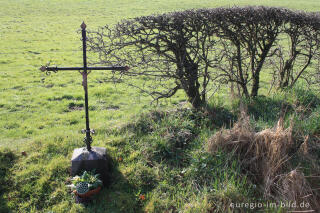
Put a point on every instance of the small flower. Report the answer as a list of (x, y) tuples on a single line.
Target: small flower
[(142, 197), (72, 186), (76, 178), (120, 159)]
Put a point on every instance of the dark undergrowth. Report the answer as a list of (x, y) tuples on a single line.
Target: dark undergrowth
[(7, 160)]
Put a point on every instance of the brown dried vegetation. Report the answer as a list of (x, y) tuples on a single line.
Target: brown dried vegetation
[(265, 157)]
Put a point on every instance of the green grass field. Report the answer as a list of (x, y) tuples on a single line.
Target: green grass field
[(36, 32), (43, 115)]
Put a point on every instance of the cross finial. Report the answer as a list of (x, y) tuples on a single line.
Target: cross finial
[(83, 25), (43, 68)]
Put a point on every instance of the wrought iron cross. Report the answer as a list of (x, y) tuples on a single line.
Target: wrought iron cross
[(85, 70)]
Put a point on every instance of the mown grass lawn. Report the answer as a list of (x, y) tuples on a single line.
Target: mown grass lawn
[(43, 114)]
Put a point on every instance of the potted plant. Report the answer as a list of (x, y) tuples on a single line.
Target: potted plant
[(86, 185)]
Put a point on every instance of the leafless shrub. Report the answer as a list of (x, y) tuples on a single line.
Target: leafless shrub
[(295, 53), (246, 36), (197, 50), (172, 50)]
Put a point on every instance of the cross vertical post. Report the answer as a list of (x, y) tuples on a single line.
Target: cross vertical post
[(88, 138)]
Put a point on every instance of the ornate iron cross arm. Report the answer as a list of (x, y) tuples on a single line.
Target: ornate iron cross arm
[(56, 69), (85, 70)]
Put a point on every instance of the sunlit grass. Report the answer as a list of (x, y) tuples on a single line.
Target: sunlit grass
[(43, 115)]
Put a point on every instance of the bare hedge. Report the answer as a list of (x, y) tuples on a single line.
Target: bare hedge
[(198, 50)]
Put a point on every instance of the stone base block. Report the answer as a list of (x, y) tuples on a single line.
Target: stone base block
[(95, 159)]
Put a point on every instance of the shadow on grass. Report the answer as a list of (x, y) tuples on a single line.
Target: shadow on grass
[(263, 109), (119, 196), (304, 97), (220, 117), (266, 109), (167, 136), (7, 159), (269, 109)]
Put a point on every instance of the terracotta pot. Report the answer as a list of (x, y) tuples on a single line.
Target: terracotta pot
[(89, 193)]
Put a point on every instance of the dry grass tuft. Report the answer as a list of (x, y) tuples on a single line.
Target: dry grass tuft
[(265, 158), (295, 188)]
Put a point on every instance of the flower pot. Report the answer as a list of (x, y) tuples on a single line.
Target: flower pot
[(89, 193)]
